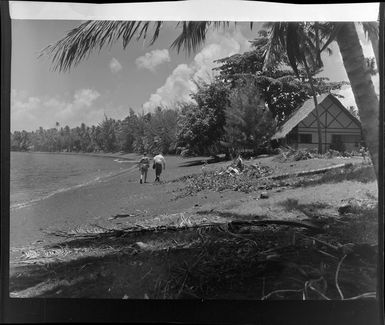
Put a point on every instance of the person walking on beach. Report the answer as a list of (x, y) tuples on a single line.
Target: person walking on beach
[(144, 164), (159, 164)]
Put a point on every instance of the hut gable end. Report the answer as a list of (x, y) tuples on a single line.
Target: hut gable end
[(332, 115)]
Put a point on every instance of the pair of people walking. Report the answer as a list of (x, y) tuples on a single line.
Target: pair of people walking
[(144, 164)]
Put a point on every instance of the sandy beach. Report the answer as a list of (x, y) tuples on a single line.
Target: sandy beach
[(122, 239), (96, 203), (123, 195)]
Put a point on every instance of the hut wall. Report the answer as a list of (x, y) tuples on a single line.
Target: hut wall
[(334, 122)]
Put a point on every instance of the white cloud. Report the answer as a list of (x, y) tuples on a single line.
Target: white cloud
[(179, 85), (115, 65), (31, 112), (152, 59)]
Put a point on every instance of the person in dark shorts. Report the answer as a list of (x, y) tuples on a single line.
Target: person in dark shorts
[(144, 164), (159, 165)]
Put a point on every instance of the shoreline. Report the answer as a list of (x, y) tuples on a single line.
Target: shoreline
[(91, 154), (98, 201), (59, 191)]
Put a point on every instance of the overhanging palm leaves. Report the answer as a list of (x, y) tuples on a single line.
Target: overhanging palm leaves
[(80, 42), (194, 34)]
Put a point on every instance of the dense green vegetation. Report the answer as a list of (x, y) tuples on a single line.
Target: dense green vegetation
[(136, 133)]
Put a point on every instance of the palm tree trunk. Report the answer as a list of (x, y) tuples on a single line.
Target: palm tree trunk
[(362, 86), (374, 41), (371, 28), (309, 76)]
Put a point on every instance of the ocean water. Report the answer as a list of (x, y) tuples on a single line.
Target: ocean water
[(37, 176)]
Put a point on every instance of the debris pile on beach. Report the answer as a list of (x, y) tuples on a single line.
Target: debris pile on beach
[(296, 155), (243, 179), (290, 155), (255, 176)]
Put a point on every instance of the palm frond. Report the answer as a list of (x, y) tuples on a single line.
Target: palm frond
[(293, 51), (276, 43), (194, 33), (192, 36), (143, 31), (158, 26), (81, 41), (332, 36), (223, 24)]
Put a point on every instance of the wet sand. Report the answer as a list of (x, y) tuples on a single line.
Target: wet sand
[(96, 203)]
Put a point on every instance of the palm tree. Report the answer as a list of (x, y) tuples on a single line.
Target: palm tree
[(362, 86), (301, 43), (81, 41)]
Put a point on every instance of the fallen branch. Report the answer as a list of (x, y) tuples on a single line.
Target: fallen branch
[(320, 241), (280, 291), (240, 236), (336, 277), (364, 295), (294, 223), (108, 232), (318, 292), (121, 216), (309, 172), (327, 254)]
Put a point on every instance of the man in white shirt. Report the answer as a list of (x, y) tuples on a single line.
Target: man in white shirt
[(159, 163)]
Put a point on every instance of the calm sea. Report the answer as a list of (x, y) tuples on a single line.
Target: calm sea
[(36, 176)]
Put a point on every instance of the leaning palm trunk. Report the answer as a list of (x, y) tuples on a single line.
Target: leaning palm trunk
[(362, 86)]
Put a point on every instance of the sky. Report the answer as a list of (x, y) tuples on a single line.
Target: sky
[(112, 81)]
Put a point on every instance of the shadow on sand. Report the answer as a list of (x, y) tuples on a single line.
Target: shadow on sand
[(212, 262), (202, 161)]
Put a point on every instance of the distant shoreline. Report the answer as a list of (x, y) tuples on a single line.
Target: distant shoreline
[(127, 156)]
